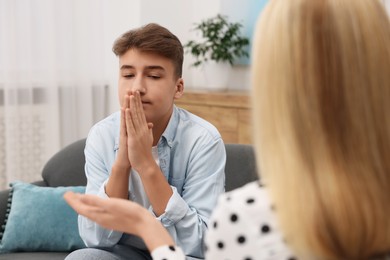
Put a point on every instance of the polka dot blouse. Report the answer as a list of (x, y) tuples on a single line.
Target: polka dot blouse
[(168, 253), (242, 227)]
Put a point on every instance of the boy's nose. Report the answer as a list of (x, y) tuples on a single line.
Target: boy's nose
[(138, 86)]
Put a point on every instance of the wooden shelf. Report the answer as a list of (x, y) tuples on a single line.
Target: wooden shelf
[(229, 111)]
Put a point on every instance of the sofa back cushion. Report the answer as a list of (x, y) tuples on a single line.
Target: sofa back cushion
[(240, 165), (66, 167)]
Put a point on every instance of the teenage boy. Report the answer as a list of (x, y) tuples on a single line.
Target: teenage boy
[(152, 152)]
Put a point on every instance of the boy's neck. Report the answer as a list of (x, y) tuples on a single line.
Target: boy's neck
[(158, 130), (156, 136), (160, 126)]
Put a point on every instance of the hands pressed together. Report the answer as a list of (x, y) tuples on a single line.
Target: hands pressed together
[(136, 137), (117, 212), (135, 151)]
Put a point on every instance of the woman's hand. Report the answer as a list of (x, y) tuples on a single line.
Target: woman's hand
[(121, 215)]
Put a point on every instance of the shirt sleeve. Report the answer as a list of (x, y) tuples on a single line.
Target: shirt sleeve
[(168, 253), (187, 214), (97, 174)]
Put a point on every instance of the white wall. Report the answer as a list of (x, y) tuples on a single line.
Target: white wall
[(119, 16), (176, 15)]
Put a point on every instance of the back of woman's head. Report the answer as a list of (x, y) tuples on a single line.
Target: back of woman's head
[(321, 85)]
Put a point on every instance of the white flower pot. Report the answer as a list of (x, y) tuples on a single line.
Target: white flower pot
[(212, 76)]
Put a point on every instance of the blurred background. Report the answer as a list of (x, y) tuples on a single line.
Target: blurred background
[(58, 75)]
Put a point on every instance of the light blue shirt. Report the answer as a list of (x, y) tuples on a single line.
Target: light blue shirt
[(192, 157)]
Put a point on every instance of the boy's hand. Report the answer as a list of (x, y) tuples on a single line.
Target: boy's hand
[(139, 134), (118, 183), (122, 160)]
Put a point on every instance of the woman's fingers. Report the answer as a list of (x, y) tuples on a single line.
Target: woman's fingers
[(85, 204)]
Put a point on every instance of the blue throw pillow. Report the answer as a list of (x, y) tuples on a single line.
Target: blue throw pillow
[(39, 219)]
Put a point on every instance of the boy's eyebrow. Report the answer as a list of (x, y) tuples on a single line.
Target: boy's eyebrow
[(154, 67), (151, 67), (123, 67)]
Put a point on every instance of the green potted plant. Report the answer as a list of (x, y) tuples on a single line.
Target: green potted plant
[(221, 41), (219, 45)]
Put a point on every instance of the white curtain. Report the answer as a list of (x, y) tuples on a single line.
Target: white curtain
[(52, 85)]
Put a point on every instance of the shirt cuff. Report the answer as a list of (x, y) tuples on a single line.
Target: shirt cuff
[(168, 252), (102, 191), (176, 209)]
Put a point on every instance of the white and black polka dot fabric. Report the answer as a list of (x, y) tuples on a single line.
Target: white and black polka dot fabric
[(244, 227), (168, 253)]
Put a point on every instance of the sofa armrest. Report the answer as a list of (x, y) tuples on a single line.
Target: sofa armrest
[(4, 194)]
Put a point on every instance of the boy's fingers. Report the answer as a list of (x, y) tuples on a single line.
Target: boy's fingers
[(140, 109), (129, 123), (126, 101), (137, 110), (126, 105), (123, 123), (134, 111)]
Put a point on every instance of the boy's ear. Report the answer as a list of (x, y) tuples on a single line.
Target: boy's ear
[(179, 88)]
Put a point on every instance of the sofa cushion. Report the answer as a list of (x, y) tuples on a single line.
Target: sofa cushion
[(240, 166), (66, 167), (34, 256), (39, 219)]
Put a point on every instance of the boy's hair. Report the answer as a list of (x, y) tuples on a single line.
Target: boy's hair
[(155, 39)]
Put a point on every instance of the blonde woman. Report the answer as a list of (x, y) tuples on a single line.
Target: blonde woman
[(321, 89)]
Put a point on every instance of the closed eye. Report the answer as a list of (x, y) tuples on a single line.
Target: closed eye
[(128, 76), (154, 76)]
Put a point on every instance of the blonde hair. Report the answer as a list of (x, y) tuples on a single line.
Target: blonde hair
[(321, 86)]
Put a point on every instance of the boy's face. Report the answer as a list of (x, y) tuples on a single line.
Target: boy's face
[(154, 77)]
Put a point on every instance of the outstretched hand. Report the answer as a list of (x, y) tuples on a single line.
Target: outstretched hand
[(117, 214), (120, 215)]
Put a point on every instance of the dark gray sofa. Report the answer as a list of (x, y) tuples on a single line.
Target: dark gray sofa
[(66, 168)]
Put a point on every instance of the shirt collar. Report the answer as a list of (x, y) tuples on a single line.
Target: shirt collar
[(170, 131)]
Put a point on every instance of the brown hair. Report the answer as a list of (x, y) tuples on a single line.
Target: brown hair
[(321, 86), (155, 39)]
